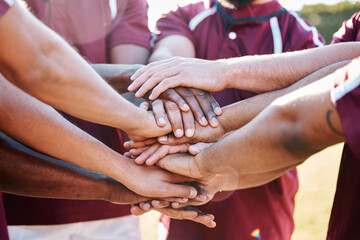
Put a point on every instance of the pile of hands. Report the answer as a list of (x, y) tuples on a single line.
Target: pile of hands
[(190, 118)]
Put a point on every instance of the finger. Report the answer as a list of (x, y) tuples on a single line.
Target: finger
[(136, 210), (148, 69), (159, 113), (173, 96), (170, 82), (138, 151), (203, 99), (145, 206), (215, 105), (190, 98), (148, 152), (133, 144), (190, 214), (172, 140), (143, 74), (177, 190), (158, 77), (198, 147), (189, 123), (145, 105), (156, 204), (179, 200), (174, 116), (165, 150)]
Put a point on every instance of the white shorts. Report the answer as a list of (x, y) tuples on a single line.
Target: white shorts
[(122, 228)]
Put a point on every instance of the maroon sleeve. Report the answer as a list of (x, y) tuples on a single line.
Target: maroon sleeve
[(4, 6), (349, 31), (177, 22), (346, 95), (132, 26), (300, 33)]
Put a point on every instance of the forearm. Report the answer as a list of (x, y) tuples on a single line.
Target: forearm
[(42, 64), (28, 173), (42, 128), (282, 135), (229, 182), (270, 72), (238, 114), (117, 75)]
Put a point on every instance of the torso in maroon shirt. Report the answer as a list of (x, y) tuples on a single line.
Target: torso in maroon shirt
[(92, 27), (344, 220), (269, 207)]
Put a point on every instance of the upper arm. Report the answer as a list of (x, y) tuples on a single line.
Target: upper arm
[(171, 46), (129, 54), (308, 118)]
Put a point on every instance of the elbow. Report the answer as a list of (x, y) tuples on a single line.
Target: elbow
[(292, 133)]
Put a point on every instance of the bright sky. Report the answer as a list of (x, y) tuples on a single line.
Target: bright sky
[(159, 6)]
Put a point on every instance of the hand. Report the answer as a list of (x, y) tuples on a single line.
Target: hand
[(203, 106), (188, 213), (177, 71), (154, 182), (147, 127), (183, 164), (151, 154), (202, 134)]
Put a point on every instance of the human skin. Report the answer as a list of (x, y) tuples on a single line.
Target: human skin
[(234, 117), (29, 173), (253, 73), (282, 135), (22, 117), (43, 65)]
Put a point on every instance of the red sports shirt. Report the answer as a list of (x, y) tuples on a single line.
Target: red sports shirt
[(223, 33)]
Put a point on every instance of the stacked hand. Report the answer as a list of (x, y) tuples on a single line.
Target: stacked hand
[(192, 116)]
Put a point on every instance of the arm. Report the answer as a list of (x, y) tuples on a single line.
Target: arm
[(253, 73), (42, 64), (239, 114), (40, 127), (28, 173), (286, 133), (283, 135)]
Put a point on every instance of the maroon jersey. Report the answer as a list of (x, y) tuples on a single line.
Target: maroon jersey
[(218, 33), (4, 6), (92, 27), (344, 221), (349, 31)]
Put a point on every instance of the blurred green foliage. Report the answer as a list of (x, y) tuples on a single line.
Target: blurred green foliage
[(329, 18)]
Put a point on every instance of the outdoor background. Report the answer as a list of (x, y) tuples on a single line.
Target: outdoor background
[(317, 176)]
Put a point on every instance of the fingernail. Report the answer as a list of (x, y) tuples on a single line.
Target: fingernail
[(184, 200), (214, 121), (186, 107), (147, 206), (137, 94), (162, 121), (195, 149), (218, 111), (193, 193), (175, 205), (189, 132), (130, 87), (203, 120), (179, 133), (151, 97), (163, 138), (156, 202)]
